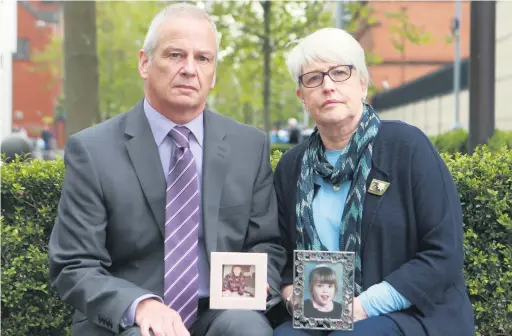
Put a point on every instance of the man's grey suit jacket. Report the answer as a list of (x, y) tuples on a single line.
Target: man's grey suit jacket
[(106, 248)]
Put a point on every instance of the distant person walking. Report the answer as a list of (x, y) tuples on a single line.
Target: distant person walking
[(294, 131), (46, 135)]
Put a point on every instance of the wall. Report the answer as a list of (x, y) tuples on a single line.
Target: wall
[(433, 17), (7, 47), (33, 97), (435, 114)]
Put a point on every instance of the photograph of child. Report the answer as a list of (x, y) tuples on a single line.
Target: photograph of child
[(323, 289), (238, 281)]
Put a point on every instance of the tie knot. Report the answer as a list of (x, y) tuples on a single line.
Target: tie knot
[(180, 136)]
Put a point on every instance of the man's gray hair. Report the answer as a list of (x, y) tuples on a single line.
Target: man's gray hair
[(331, 45), (182, 9)]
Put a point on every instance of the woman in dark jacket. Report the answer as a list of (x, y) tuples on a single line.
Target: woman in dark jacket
[(377, 188)]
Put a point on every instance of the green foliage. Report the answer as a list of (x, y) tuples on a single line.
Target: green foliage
[(499, 140), (456, 141), (275, 157), (484, 181), (282, 147), (49, 60), (403, 30), (30, 194), (31, 190), (240, 74), (120, 38)]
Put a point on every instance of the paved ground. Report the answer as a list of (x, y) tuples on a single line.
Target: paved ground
[(48, 155)]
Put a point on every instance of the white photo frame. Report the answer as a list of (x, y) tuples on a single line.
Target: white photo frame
[(227, 288)]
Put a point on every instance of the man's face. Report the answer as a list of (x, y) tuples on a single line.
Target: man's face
[(182, 70)]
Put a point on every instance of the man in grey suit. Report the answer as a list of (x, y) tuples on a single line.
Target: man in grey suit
[(150, 193)]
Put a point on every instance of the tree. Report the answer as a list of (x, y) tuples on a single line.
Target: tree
[(80, 65), (253, 83), (255, 37), (119, 39)]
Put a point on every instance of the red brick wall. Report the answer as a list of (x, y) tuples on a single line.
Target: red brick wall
[(435, 17), (32, 95)]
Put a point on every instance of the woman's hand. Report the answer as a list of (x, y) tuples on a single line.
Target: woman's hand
[(285, 294), (286, 291), (359, 312)]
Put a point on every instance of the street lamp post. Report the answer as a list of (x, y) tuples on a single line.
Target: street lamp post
[(482, 72), (456, 65), (340, 14)]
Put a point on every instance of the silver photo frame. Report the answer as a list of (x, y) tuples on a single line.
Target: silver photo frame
[(323, 268)]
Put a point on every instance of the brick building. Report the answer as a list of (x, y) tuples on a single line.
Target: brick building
[(399, 67), (34, 100), (429, 102), (435, 17)]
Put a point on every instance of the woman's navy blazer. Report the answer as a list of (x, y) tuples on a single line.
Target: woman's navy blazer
[(411, 236)]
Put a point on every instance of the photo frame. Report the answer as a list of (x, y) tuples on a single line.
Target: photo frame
[(238, 281), (323, 294)]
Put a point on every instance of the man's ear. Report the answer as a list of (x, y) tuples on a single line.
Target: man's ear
[(299, 93), (144, 64), (214, 79)]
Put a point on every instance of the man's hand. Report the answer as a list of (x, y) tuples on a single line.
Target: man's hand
[(359, 313), (157, 317)]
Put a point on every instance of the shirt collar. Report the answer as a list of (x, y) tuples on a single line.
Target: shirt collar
[(161, 126)]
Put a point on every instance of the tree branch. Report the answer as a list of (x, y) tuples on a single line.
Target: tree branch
[(361, 32), (246, 30)]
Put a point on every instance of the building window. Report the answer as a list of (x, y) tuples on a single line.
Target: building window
[(23, 51)]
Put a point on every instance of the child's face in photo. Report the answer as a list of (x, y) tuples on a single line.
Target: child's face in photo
[(237, 270), (323, 293)]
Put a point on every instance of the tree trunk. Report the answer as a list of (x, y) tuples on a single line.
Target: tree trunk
[(81, 80), (267, 51), (248, 118)]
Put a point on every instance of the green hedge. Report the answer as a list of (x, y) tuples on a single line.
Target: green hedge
[(30, 192), (484, 182), (282, 147), (456, 141)]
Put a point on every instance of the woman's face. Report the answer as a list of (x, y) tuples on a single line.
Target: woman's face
[(332, 102), (323, 293)]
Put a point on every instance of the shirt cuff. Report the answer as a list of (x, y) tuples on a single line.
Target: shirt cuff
[(128, 318), (381, 299)]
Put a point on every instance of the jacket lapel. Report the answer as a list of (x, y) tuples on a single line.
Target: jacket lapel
[(373, 202), (145, 159), (215, 165)]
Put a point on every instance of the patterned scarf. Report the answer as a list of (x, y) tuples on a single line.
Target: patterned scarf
[(353, 165)]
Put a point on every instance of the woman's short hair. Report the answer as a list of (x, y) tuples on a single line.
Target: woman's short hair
[(324, 275), (331, 45)]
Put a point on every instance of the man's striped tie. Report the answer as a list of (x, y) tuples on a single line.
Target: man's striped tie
[(181, 230)]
